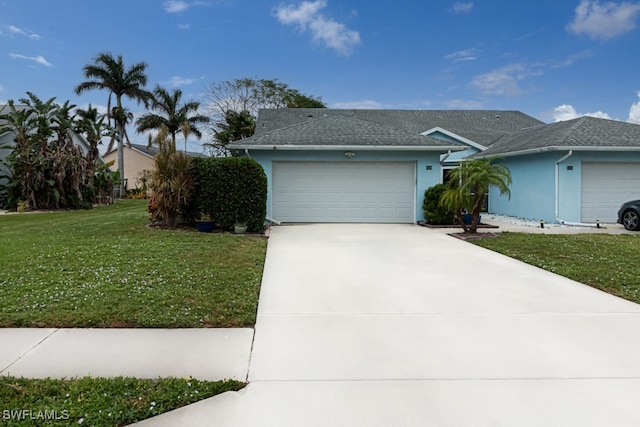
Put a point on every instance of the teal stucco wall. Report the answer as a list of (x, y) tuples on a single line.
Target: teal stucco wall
[(533, 191)]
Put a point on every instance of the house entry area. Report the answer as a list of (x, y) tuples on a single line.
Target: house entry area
[(372, 192)]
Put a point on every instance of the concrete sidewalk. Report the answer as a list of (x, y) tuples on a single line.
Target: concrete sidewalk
[(206, 354), (379, 325)]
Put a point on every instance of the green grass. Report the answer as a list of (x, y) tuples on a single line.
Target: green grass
[(606, 262), (99, 401), (105, 268)]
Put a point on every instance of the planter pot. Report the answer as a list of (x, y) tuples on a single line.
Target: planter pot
[(467, 218), (240, 229), (204, 226)]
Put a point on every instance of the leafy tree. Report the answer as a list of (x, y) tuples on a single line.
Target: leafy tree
[(231, 103), (236, 126), (470, 184), (172, 115), (109, 73)]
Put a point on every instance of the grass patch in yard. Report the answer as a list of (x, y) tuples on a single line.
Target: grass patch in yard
[(606, 262), (99, 401), (105, 268)]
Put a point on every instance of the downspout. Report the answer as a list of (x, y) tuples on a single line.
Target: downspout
[(246, 151), (558, 219), (446, 156)]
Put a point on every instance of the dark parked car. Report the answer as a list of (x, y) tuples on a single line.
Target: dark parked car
[(629, 215)]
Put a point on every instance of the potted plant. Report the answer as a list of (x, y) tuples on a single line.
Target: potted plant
[(240, 227), (205, 223)]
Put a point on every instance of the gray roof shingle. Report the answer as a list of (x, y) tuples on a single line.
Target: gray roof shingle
[(341, 130), (481, 126), (582, 133)]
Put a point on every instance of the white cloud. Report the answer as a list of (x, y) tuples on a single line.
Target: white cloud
[(184, 26), (573, 58), (503, 81), (460, 7), (13, 31), (38, 59), (175, 6), (307, 16), (366, 104), (568, 112), (604, 20), (634, 112), (177, 81), (463, 55)]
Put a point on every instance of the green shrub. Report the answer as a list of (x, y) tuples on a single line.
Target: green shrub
[(231, 190), (433, 212)]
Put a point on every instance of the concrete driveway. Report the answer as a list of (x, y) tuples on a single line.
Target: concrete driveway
[(399, 325)]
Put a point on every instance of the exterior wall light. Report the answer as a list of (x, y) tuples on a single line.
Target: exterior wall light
[(349, 154)]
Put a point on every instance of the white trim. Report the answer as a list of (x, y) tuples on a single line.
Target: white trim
[(272, 147), (454, 136), (558, 148)]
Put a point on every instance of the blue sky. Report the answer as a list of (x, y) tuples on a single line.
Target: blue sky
[(551, 59)]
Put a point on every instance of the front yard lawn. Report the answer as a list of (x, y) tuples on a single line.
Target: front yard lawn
[(99, 401), (105, 268), (607, 262)]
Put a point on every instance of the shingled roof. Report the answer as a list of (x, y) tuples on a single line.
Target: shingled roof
[(480, 126), (584, 133), (151, 151), (327, 131)]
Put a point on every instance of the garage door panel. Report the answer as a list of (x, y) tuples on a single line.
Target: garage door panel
[(343, 191), (605, 186)]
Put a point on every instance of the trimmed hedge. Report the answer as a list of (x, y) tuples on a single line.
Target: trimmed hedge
[(232, 190), (433, 212)]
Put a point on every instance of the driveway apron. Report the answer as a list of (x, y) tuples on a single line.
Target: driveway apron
[(402, 325)]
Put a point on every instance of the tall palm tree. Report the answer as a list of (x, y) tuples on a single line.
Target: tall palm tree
[(109, 73), (470, 184), (172, 115)]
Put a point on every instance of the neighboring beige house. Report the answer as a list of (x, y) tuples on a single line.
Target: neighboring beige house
[(137, 159)]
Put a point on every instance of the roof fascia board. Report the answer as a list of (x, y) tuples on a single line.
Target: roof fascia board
[(347, 147), (557, 148), (455, 136)]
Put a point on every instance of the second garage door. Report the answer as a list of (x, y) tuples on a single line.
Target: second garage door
[(605, 186), (343, 192)]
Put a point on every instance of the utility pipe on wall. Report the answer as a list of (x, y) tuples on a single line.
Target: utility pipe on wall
[(561, 221)]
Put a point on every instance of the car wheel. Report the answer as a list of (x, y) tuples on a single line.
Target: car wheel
[(631, 220)]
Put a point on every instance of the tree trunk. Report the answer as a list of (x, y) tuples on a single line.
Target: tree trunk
[(119, 136)]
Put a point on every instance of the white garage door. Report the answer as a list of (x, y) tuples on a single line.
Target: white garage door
[(605, 186), (343, 192)]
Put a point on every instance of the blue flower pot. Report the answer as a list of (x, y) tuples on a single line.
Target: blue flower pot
[(204, 226)]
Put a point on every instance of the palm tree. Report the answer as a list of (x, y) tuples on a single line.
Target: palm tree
[(92, 126), (470, 184), (172, 115), (109, 73)]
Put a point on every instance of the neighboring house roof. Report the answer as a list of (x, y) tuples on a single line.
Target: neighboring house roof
[(480, 126), (584, 133), (153, 150), (341, 131)]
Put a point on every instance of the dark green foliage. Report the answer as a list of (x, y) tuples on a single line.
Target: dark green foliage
[(47, 170), (236, 126), (434, 213), (232, 190)]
